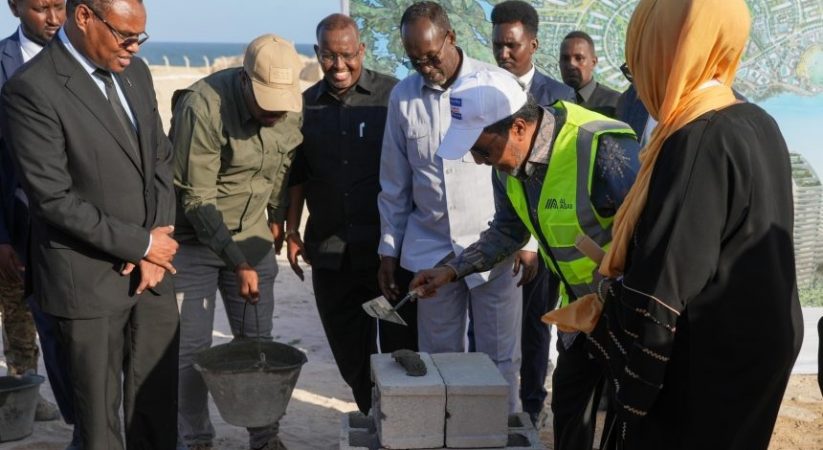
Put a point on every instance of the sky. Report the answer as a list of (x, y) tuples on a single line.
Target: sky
[(221, 20)]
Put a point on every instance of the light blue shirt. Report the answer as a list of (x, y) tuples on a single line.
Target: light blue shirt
[(90, 68), (429, 207)]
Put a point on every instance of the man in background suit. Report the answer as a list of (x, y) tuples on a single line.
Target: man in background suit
[(577, 62), (514, 42), (39, 22), (81, 123)]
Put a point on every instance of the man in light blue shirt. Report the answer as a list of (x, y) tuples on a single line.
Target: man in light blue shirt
[(431, 209)]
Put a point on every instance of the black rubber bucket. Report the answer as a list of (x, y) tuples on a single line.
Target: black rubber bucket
[(251, 380), (18, 401)]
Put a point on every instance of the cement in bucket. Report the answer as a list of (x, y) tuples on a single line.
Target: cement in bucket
[(251, 380), (18, 400)]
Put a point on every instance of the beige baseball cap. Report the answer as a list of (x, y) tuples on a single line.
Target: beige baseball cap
[(273, 66)]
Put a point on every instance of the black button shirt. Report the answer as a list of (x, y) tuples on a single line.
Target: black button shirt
[(339, 165)]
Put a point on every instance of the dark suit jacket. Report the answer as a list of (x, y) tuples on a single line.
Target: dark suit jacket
[(546, 90), (93, 197), (632, 111), (14, 214), (602, 100)]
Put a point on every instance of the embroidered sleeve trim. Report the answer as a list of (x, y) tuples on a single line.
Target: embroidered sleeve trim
[(653, 298)]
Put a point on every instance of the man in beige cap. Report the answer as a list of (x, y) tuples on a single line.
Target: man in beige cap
[(234, 134)]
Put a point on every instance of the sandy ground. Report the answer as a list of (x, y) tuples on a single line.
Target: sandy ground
[(312, 420)]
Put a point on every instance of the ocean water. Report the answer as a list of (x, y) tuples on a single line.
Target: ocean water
[(198, 53)]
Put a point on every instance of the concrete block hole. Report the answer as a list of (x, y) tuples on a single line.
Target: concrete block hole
[(518, 440), (363, 439)]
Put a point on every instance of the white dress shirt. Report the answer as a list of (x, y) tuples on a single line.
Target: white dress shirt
[(429, 207), (28, 48), (526, 79)]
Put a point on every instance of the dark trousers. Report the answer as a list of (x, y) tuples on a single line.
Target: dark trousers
[(539, 297), (576, 387), (351, 333), (55, 361), (138, 346)]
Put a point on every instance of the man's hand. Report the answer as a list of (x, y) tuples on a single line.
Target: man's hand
[(163, 247), (528, 261), (150, 274), (427, 281), (278, 235), (247, 282), (295, 248), (385, 277), (10, 267)]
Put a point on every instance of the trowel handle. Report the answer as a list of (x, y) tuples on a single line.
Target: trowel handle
[(412, 295)]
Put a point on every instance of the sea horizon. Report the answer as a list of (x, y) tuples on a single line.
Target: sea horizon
[(199, 54)]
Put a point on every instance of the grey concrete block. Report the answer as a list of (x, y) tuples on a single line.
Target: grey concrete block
[(409, 411), (358, 432), (476, 400)]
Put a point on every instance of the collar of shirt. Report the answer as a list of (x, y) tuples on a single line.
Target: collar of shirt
[(526, 79), (239, 100), (467, 65), (586, 91), (365, 85), (89, 67), (542, 149), (28, 47)]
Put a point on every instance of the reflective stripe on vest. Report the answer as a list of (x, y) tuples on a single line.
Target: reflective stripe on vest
[(565, 210)]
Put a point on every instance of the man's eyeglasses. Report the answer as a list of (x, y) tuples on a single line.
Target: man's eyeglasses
[(124, 41), (626, 72), (331, 58), (431, 61)]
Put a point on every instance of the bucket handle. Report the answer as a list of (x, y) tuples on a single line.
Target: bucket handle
[(243, 321)]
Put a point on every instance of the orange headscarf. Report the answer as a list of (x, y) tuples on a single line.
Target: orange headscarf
[(683, 55)]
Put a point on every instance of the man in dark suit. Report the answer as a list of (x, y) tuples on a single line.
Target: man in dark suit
[(81, 123), (577, 62), (514, 42), (39, 22)]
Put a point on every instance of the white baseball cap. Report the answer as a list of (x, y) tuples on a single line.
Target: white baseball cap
[(478, 100)]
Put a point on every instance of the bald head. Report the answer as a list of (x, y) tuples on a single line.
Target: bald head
[(336, 22)]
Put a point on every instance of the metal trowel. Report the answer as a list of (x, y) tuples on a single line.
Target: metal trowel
[(380, 308)]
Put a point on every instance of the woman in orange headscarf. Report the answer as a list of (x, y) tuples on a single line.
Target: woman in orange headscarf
[(701, 323)]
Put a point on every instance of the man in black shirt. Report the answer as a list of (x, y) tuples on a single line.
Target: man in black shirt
[(336, 172), (577, 62)]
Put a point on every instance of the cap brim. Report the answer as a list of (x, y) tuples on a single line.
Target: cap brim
[(277, 99), (457, 142)]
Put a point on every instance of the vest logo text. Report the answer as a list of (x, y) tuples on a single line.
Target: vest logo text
[(554, 203)]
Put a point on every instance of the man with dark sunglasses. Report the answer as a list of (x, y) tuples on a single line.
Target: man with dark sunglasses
[(81, 122), (431, 209)]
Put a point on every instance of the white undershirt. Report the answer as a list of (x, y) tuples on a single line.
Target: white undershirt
[(526, 79), (28, 48)]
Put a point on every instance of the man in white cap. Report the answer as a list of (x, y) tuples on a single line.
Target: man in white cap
[(234, 134), (562, 174)]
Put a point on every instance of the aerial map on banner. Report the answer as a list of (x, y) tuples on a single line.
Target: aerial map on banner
[(782, 71)]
